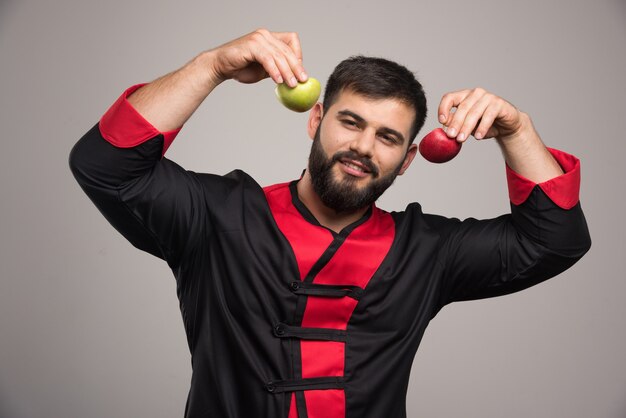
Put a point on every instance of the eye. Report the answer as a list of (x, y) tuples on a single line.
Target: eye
[(349, 122), (388, 138)]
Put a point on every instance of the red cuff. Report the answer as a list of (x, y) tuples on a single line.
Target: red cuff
[(562, 190), (124, 127)]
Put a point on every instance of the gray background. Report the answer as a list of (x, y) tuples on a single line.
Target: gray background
[(90, 327)]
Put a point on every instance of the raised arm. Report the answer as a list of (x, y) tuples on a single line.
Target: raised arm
[(545, 233), (169, 101), (119, 163)]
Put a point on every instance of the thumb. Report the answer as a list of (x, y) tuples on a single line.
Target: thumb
[(251, 74)]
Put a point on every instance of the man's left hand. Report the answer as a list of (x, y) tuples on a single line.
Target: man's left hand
[(481, 114)]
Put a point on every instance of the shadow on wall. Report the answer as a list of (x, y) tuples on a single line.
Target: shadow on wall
[(5, 409), (5, 7)]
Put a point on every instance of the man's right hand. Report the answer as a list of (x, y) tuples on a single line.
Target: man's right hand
[(169, 101), (259, 55)]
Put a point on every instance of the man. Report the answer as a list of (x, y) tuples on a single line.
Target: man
[(304, 299)]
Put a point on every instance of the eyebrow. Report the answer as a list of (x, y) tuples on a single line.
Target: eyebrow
[(361, 120)]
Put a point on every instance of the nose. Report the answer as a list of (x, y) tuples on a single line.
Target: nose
[(363, 143)]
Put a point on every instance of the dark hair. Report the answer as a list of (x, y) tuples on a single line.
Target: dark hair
[(377, 78)]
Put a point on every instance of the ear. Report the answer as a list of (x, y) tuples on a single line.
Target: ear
[(410, 154), (315, 118)]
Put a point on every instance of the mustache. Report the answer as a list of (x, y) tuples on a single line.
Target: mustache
[(352, 155)]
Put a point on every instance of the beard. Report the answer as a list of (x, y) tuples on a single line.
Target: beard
[(345, 195)]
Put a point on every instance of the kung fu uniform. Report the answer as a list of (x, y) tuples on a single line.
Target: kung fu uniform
[(284, 317)]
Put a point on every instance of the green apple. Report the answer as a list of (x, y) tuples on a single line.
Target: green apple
[(301, 97)]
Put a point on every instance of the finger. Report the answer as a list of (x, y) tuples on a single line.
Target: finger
[(291, 57), (266, 59), (270, 53), (260, 49), (448, 101), (484, 129), (277, 53), (292, 40), (462, 109), (474, 116), (298, 68)]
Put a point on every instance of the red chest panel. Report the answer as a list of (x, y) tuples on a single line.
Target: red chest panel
[(327, 263)]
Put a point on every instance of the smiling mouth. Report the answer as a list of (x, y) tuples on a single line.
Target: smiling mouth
[(355, 165)]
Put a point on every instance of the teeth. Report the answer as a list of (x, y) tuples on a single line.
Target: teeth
[(354, 166)]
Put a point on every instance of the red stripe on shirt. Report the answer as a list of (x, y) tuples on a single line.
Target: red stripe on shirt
[(354, 263)]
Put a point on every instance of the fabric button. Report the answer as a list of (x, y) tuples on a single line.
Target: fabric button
[(295, 286), (279, 330), (270, 387)]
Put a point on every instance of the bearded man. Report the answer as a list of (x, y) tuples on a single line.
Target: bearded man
[(304, 299)]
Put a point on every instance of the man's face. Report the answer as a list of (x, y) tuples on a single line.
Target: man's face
[(359, 148)]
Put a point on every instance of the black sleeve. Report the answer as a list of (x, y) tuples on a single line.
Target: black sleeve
[(536, 241), (153, 202)]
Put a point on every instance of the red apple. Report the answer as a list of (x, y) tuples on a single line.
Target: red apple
[(436, 147)]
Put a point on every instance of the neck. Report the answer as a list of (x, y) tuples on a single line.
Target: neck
[(326, 216)]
